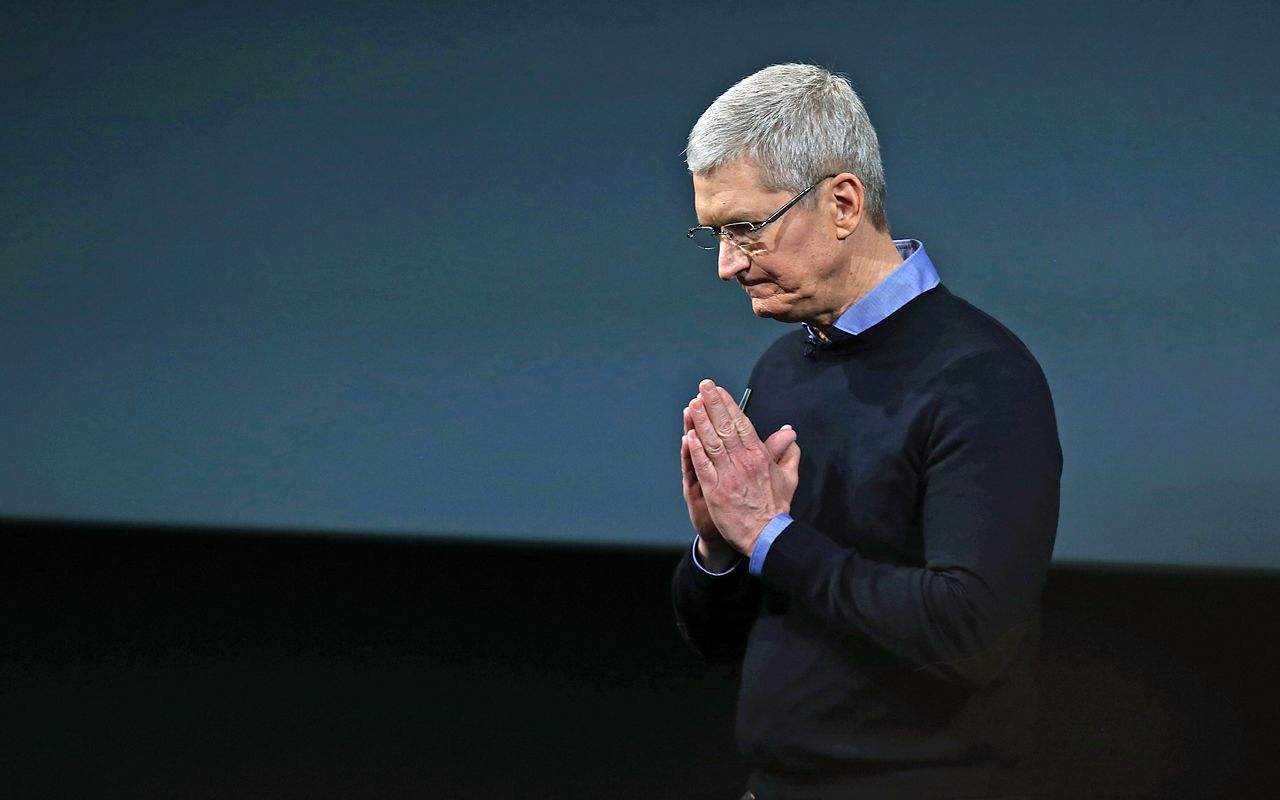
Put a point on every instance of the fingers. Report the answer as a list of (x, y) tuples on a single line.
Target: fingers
[(746, 431), (686, 466), (786, 475), (778, 443), (789, 461), (698, 457), (731, 477), (721, 425), (687, 471), (712, 445), (684, 445), (724, 424)]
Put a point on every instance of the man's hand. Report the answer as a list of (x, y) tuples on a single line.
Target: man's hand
[(733, 483)]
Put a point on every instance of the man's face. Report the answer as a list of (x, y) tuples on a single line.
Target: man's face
[(794, 272)]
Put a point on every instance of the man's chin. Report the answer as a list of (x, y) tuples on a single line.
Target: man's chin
[(768, 308)]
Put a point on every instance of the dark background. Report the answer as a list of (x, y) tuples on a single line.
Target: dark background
[(186, 663)]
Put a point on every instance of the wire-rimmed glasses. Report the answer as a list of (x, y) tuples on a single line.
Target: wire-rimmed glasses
[(743, 234)]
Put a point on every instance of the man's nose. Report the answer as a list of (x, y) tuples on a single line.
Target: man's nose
[(731, 261)]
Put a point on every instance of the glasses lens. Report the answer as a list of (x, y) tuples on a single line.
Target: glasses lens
[(706, 239), (741, 233)]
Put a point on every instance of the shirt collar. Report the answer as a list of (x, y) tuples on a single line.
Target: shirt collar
[(910, 279)]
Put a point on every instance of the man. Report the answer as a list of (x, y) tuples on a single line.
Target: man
[(877, 560)]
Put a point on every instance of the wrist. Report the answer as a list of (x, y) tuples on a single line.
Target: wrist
[(747, 533), (716, 555)]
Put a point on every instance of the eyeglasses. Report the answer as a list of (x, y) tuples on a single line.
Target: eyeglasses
[(744, 234)]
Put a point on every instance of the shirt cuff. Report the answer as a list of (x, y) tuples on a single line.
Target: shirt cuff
[(698, 563), (770, 532)]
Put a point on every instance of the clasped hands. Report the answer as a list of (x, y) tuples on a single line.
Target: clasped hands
[(734, 484)]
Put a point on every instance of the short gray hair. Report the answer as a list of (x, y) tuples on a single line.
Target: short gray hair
[(798, 122)]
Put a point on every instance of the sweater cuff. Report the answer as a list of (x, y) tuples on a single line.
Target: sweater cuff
[(794, 559), (776, 526), (716, 587), (697, 562)]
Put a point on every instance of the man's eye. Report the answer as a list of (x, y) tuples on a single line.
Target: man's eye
[(741, 232), (706, 238)]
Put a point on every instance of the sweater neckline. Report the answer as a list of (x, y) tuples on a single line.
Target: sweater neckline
[(843, 343)]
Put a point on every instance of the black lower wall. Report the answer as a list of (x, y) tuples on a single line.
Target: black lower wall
[(167, 663)]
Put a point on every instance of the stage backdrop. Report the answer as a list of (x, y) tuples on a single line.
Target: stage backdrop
[(421, 267)]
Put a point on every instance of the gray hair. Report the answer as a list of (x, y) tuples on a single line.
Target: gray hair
[(798, 122)]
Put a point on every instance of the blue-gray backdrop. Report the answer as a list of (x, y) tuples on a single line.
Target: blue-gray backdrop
[(420, 267)]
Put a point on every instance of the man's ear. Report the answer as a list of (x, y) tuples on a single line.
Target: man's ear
[(847, 192)]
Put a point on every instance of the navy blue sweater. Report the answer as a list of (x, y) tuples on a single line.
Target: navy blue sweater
[(886, 644)]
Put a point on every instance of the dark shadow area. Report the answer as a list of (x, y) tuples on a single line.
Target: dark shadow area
[(174, 663)]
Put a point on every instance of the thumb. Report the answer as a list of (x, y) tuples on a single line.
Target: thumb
[(789, 461), (780, 442)]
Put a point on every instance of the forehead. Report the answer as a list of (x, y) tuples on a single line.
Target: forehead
[(732, 193)]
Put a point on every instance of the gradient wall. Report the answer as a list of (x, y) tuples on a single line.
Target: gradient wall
[(419, 268)]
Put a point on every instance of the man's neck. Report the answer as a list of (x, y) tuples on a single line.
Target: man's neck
[(869, 265)]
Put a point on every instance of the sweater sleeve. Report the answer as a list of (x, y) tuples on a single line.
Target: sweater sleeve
[(990, 473), (714, 613)]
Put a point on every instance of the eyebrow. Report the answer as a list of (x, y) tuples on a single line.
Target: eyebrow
[(718, 220)]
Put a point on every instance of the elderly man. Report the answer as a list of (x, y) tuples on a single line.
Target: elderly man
[(877, 560)]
